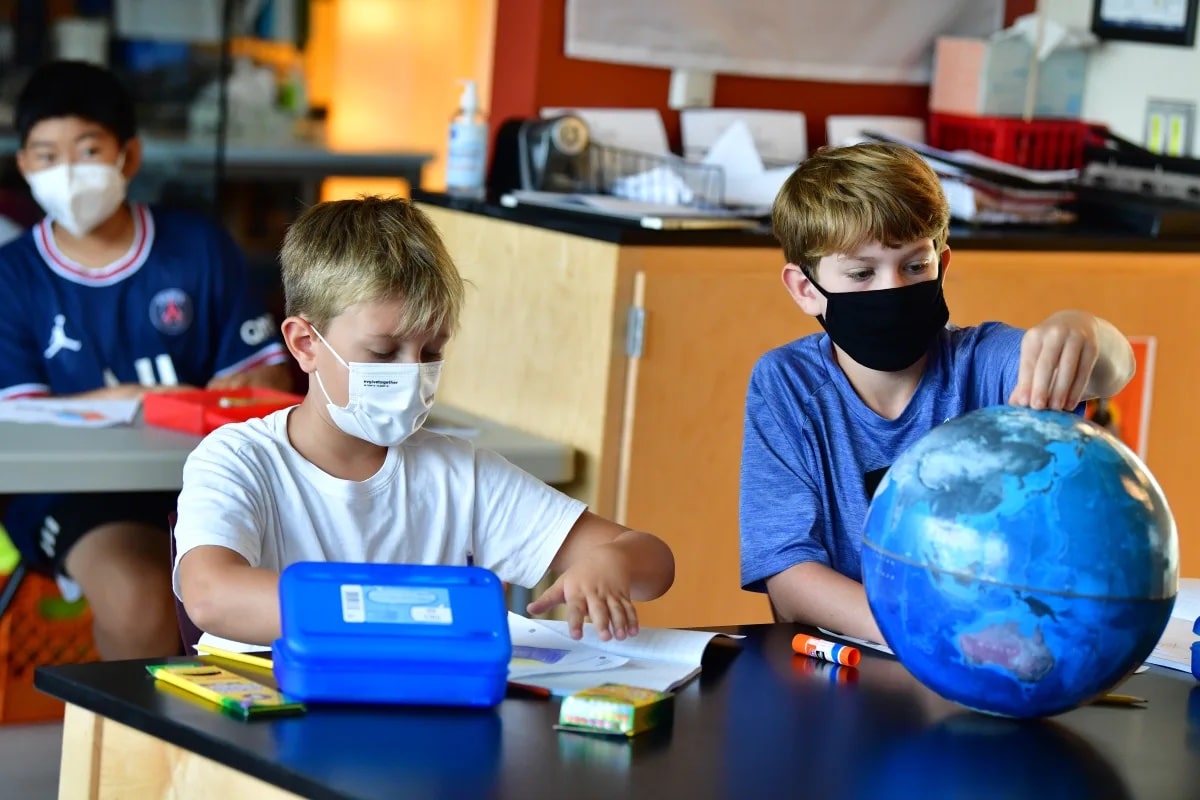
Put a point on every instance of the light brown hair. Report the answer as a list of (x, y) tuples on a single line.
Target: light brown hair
[(344, 252), (842, 198)]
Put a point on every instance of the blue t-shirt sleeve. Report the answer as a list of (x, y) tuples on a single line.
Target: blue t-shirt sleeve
[(779, 506), (245, 331), (22, 367), (995, 362)]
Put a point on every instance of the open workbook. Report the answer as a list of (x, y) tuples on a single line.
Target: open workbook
[(545, 656), (1174, 649)]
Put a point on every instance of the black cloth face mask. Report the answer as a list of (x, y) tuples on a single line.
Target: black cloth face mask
[(887, 330)]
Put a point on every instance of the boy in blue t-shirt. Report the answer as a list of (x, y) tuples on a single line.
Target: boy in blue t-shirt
[(864, 232), (107, 299)]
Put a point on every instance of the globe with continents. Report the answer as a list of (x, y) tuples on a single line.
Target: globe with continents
[(1020, 562)]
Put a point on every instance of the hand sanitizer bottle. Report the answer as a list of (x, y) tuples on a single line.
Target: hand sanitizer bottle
[(466, 158)]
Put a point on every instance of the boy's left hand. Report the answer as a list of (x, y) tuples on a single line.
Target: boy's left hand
[(598, 588), (1057, 360)]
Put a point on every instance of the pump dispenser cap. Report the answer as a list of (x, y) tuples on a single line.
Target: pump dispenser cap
[(470, 96)]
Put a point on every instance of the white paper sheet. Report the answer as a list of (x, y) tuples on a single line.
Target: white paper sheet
[(638, 129), (870, 41), (657, 658), (748, 182), (1174, 649), (780, 137), (844, 129), (537, 650), (70, 413)]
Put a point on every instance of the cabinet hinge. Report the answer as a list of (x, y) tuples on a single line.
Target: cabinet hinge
[(635, 331)]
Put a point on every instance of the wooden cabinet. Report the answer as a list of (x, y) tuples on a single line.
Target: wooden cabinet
[(638, 357)]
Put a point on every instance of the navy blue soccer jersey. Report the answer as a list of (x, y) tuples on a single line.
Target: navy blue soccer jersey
[(175, 309)]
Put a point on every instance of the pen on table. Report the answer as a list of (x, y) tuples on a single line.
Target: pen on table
[(243, 658)]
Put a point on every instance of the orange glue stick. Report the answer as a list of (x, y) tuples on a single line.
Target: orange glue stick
[(811, 646)]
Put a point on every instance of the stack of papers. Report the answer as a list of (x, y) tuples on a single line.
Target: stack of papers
[(656, 216), (985, 191), (545, 656)]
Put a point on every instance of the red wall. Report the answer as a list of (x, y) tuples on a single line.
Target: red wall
[(530, 71)]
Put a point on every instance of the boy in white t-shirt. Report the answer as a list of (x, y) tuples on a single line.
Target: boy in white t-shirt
[(349, 475)]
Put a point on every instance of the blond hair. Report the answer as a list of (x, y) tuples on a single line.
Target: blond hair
[(344, 252), (842, 198)]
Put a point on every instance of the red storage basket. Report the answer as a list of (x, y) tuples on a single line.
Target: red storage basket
[(40, 629), (1037, 144)]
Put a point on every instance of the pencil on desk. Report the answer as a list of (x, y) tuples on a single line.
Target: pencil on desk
[(1119, 700), (241, 658)]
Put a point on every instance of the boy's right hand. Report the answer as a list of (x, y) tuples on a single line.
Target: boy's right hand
[(598, 588), (1057, 359)]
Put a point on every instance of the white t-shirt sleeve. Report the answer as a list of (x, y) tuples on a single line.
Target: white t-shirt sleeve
[(221, 502), (520, 522)]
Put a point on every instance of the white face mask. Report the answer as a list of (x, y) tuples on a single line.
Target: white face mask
[(79, 196), (387, 402)]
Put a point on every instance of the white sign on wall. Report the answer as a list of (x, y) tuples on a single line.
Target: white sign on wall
[(862, 41)]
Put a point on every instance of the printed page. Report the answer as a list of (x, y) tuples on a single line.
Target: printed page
[(540, 651), (1187, 602), (661, 676), (654, 644), (70, 413), (1174, 649)]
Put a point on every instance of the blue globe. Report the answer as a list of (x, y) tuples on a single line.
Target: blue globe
[(1020, 562)]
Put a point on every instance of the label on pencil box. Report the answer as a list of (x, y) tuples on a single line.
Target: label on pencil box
[(396, 605)]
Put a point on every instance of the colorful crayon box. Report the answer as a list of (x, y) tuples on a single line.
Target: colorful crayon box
[(233, 694), (615, 709)]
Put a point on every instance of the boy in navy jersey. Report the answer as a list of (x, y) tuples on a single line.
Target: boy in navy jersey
[(110, 299)]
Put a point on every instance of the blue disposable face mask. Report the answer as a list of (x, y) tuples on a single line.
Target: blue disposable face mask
[(387, 403)]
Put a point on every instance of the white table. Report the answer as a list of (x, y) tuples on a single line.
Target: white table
[(292, 158), (50, 458)]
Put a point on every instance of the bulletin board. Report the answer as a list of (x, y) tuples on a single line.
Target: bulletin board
[(864, 41)]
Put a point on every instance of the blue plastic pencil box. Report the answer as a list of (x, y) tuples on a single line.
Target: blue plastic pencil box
[(392, 633)]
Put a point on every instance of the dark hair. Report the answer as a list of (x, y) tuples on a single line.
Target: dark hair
[(75, 89)]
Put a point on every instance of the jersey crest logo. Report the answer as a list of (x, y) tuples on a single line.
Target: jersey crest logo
[(171, 311), (59, 340)]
